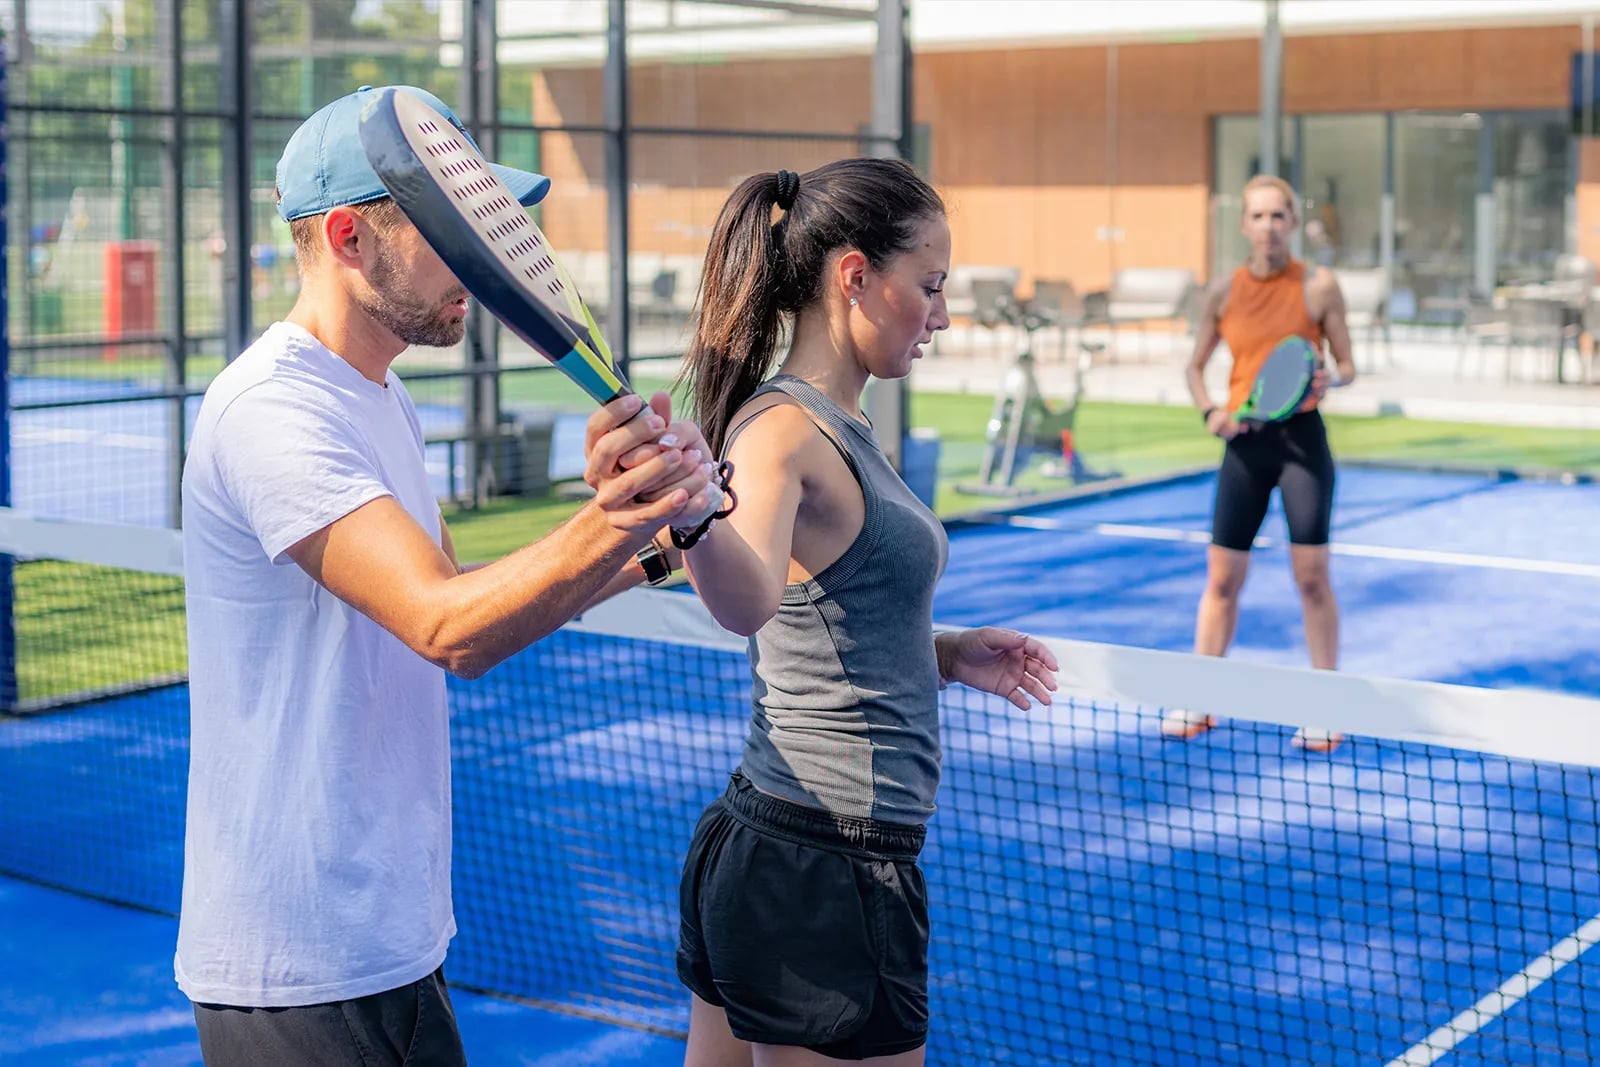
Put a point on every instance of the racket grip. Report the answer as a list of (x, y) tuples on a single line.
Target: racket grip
[(601, 390), (643, 408)]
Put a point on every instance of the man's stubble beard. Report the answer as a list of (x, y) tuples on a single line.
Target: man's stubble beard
[(396, 307)]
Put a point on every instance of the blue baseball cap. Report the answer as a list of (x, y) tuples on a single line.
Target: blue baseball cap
[(323, 166)]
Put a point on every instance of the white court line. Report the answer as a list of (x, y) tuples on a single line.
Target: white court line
[(1337, 548), (65, 435), (1539, 970), (52, 435)]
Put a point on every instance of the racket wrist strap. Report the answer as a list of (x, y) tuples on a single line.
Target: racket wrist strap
[(686, 540)]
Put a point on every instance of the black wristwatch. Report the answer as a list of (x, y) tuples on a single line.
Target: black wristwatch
[(657, 565)]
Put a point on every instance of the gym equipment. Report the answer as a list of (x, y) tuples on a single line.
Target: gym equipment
[(1023, 424)]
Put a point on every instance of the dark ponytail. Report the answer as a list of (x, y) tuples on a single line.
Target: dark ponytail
[(736, 329), (757, 270)]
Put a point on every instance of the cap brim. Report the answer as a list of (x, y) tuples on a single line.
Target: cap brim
[(527, 187)]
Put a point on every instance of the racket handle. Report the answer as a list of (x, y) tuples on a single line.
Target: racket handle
[(644, 406)]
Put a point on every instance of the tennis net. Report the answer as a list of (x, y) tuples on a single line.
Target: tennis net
[(1426, 893)]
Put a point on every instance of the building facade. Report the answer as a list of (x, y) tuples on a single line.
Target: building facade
[(1437, 141)]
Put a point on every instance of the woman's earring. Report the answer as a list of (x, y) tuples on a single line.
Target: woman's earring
[(854, 301)]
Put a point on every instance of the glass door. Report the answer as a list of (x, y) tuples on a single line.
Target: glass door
[(1436, 216), (1342, 189), (1531, 180)]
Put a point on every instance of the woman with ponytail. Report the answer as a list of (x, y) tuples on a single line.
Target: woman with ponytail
[(804, 927)]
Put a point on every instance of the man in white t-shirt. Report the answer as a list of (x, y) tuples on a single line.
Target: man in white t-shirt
[(325, 604)]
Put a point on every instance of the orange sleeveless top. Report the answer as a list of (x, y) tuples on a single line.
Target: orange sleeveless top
[(1261, 312)]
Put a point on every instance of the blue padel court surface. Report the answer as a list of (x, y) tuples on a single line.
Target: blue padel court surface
[(1443, 577), (90, 984), (1100, 895)]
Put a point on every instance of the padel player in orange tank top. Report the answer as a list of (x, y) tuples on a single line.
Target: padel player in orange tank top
[(1268, 299)]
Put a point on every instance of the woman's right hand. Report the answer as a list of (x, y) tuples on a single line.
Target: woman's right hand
[(1221, 423)]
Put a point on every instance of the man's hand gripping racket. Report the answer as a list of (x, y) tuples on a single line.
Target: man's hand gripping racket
[(474, 223)]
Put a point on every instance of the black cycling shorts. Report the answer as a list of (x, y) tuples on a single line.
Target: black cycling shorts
[(809, 929), (1292, 456)]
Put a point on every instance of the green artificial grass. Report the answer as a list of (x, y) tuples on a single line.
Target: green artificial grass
[(81, 627)]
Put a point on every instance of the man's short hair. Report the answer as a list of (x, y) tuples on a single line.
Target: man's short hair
[(383, 214), (1272, 181)]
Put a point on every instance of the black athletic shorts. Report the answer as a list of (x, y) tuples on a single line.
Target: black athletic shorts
[(1292, 455), (409, 1026), (807, 928)]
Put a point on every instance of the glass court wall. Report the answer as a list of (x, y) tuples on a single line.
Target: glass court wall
[(1474, 200), (146, 249)]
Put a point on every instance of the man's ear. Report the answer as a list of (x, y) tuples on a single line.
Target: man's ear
[(344, 234)]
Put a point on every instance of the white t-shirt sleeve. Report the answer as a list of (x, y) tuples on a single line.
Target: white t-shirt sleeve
[(291, 467)]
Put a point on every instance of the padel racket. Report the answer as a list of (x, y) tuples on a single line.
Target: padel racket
[(1282, 382), (477, 227)]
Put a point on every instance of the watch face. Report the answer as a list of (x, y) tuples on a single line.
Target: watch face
[(657, 568)]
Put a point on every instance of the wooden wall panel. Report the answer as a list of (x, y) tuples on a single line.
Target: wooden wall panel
[(1161, 226), (1431, 73), (1160, 79), (1015, 117), (1327, 74), (1163, 150), (574, 218), (1464, 70), (1230, 76), (1048, 232), (1023, 142), (569, 96), (826, 94), (821, 95)]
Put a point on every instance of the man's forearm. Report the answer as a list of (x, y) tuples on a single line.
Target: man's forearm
[(494, 610), (630, 576)]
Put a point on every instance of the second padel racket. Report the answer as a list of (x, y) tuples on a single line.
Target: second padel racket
[(1283, 381)]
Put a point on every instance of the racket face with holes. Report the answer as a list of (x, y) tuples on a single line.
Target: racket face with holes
[(1282, 382), (477, 227)]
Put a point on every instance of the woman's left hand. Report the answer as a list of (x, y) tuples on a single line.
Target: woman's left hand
[(999, 661)]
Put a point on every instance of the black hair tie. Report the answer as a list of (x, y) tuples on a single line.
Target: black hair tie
[(788, 188)]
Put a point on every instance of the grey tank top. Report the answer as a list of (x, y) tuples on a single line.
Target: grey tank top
[(845, 703)]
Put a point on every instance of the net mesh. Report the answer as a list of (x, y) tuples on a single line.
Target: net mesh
[(1099, 894)]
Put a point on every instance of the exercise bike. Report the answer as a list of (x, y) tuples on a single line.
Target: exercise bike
[(1023, 424)]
